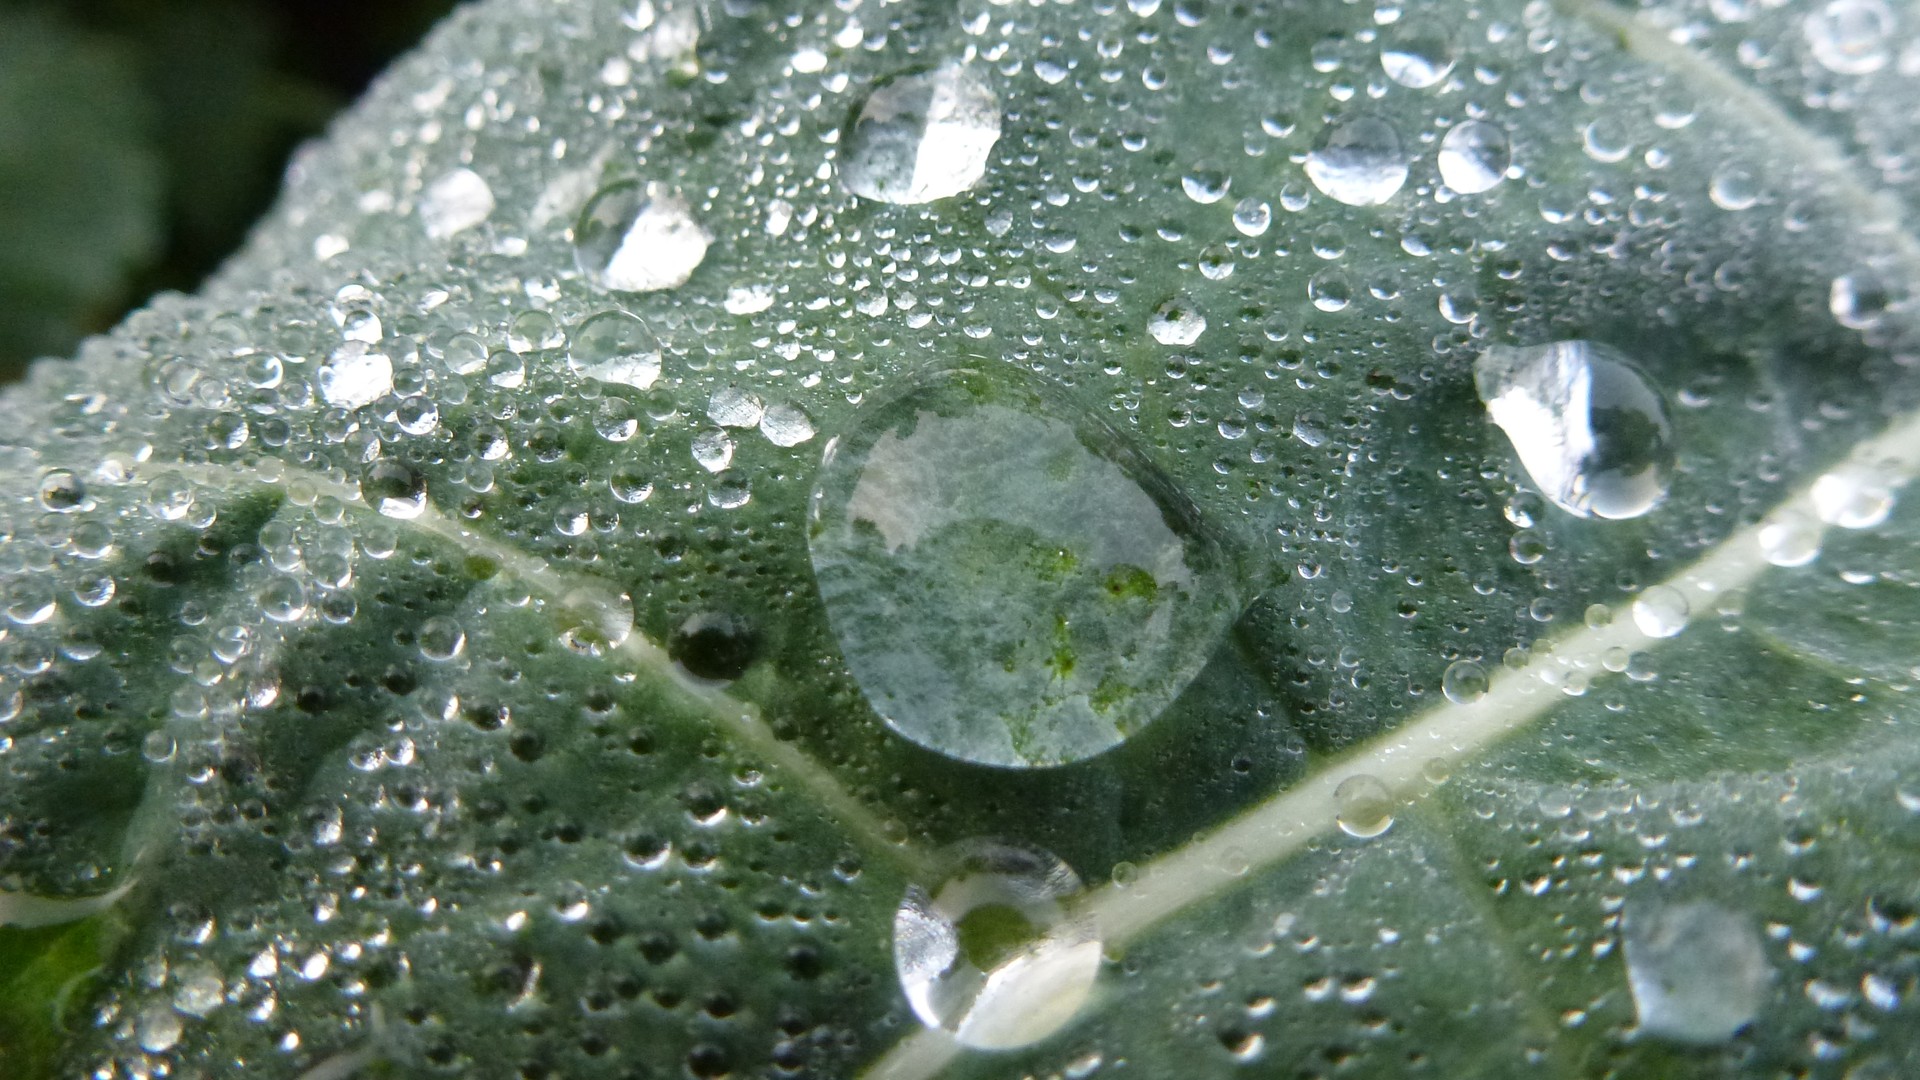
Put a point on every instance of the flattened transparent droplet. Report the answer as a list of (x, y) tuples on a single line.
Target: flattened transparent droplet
[(1363, 806), (1011, 582), (1851, 37), (1698, 971), (615, 347), (636, 237), (1661, 611), (922, 137), (991, 957), (1359, 161), (1474, 157), (455, 203), (354, 377), (1588, 426)]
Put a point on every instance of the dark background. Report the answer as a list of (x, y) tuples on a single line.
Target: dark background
[(140, 139)]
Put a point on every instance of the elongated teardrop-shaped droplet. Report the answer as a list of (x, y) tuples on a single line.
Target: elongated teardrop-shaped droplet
[(922, 137), (991, 956), (1012, 583), (1589, 427)]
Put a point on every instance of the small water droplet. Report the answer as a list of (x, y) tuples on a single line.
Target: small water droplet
[(158, 1029), (1859, 300), (1661, 611), (1464, 682), (1854, 496), (1698, 971), (1252, 216), (1358, 161), (1416, 54), (615, 347), (991, 957), (1206, 186), (1789, 538), (395, 489), (637, 237), (713, 449), (1012, 583), (354, 377), (785, 424), (1363, 806), (1474, 157), (1734, 187), (1177, 322), (455, 203), (440, 638), (735, 407), (1589, 428), (922, 137), (1851, 37)]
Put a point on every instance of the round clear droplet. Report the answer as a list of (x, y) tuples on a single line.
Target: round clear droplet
[(1011, 581), (1588, 425), (922, 137), (1474, 157), (1854, 496), (1698, 972), (1359, 161), (991, 956), (1177, 322), (1789, 538), (1416, 53), (395, 489), (1363, 806), (1661, 611), (1464, 682), (1851, 37), (615, 347)]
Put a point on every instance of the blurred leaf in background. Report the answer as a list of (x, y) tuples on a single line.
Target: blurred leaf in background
[(140, 140)]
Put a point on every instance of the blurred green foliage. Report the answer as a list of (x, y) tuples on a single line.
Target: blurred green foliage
[(139, 139)]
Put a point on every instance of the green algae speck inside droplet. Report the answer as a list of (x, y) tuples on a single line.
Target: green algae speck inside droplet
[(1011, 581)]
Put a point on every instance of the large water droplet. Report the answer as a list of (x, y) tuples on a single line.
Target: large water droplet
[(1474, 157), (455, 203), (1590, 429), (1358, 161), (635, 237), (1416, 54), (922, 137), (1697, 971), (1851, 37), (615, 347), (991, 957), (1011, 582)]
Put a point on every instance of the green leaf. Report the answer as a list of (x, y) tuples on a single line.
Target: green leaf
[(435, 681)]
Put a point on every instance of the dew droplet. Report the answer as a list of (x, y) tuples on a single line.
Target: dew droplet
[(1698, 971), (158, 1029), (354, 377), (922, 137), (1789, 538), (1177, 322), (785, 425), (1252, 216), (1851, 37), (1853, 496), (394, 489), (1206, 186), (1358, 161), (1589, 428), (735, 407), (1474, 157), (1012, 583), (991, 957), (1416, 54), (1858, 300), (1661, 611), (62, 492), (440, 638), (713, 449), (1363, 806), (1734, 187), (615, 347), (455, 203), (1464, 682), (637, 237)]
